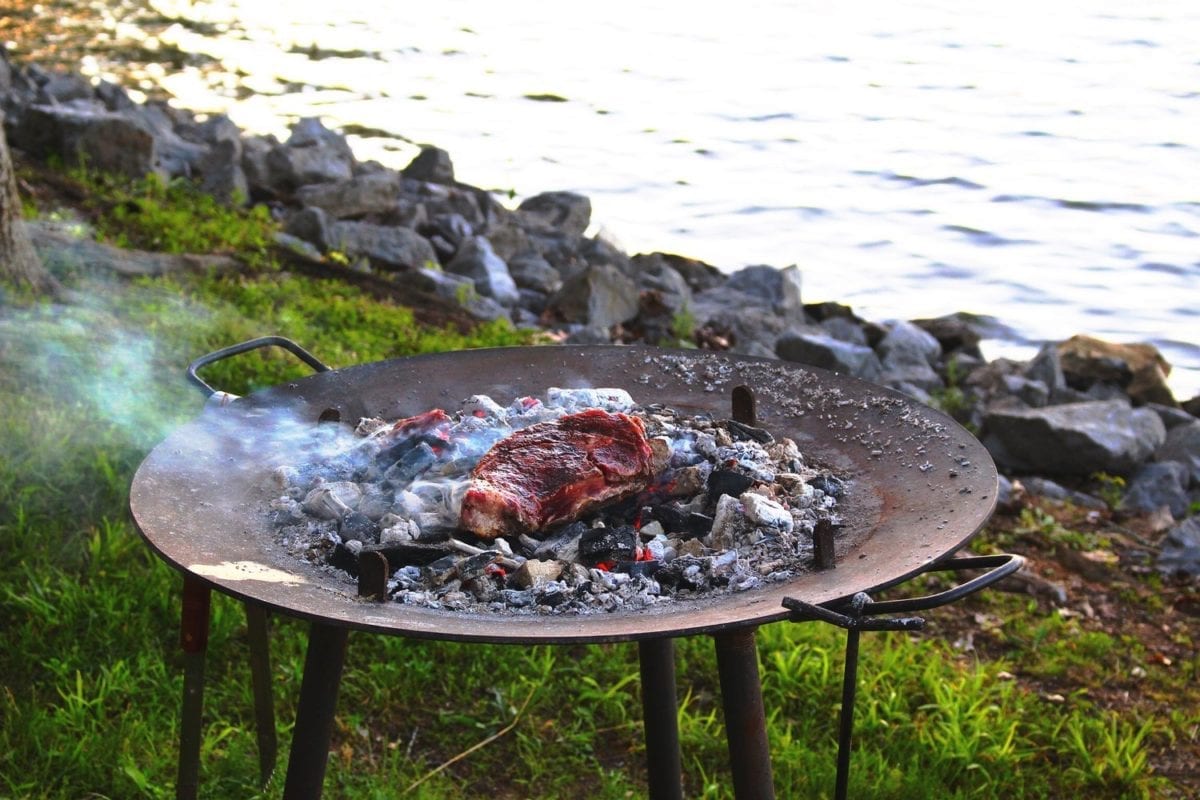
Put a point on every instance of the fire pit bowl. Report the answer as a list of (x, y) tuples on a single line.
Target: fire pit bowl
[(919, 485)]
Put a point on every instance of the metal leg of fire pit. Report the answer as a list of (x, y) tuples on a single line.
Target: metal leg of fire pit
[(193, 638), (861, 613), (745, 718), (260, 676), (664, 766), (314, 715)]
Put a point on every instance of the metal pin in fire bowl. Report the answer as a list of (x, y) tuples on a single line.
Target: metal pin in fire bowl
[(743, 403), (823, 544), (372, 575)]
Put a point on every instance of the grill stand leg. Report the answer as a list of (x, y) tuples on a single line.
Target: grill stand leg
[(264, 702), (661, 714), (745, 719), (314, 715), (846, 721), (193, 639)]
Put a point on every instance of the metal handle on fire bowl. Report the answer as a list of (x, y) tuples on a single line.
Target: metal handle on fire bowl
[(861, 613), (253, 344)]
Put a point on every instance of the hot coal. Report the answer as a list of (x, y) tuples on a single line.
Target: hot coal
[(717, 506)]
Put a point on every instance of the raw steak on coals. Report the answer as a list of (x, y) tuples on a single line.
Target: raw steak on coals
[(556, 471)]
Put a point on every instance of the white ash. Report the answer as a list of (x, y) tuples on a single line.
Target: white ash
[(733, 508)]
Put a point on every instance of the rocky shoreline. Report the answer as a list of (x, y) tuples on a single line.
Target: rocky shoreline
[(1085, 420)]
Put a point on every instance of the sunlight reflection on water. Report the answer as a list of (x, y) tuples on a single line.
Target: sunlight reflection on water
[(912, 159)]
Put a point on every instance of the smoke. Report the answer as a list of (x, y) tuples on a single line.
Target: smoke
[(92, 367)]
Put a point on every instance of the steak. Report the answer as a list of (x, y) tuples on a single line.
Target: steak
[(556, 471)]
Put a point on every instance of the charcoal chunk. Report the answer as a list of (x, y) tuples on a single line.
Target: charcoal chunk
[(727, 481), (608, 544), (827, 484), (747, 433), (698, 525), (358, 527), (413, 463)]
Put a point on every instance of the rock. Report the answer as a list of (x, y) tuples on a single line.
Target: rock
[(5, 72), (1139, 369), (476, 261), (531, 271), (372, 193), (114, 97), (1073, 438), (392, 248), (1183, 446), (1157, 484), (457, 288), (63, 87), (1032, 393), (221, 173), (844, 329), (312, 154), (698, 275), (1171, 416), (1181, 549), (1046, 368), (908, 355), (100, 139), (310, 224), (825, 352), (256, 151), (562, 212), (777, 289), (453, 229), (432, 165), (598, 297), (954, 333), (1044, 487)]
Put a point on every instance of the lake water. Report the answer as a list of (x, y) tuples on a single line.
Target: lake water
[(1039, 162)]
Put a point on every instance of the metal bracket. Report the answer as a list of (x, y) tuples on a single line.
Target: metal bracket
[(861, 613)]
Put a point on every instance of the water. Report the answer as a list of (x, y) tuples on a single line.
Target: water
[(1033, 161)]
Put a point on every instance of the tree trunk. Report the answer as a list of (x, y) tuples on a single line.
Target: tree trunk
[(19, 262)]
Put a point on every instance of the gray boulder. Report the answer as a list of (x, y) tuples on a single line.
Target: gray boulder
[(373, 192), (388, 247), (1157, 484), (908, 355), (1074, 438), (88, 135), (1046, 368), (531, 271), (1181, 549), (561, 212), (826, 352), (698, 275), (310, 224), (221, 172), (1183, 446), (312, 154), (776, 289), (431, 165), (597, 296), (63, 87), (475, 260), (457, 288)]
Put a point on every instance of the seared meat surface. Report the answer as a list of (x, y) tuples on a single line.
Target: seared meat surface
[(556, 471)]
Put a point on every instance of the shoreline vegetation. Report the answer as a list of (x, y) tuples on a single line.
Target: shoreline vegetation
[(1079, 677)]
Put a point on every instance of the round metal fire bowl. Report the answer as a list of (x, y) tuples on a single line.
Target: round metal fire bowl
[(919, 484)]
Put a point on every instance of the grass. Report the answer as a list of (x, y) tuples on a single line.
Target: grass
[(90, 675)]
